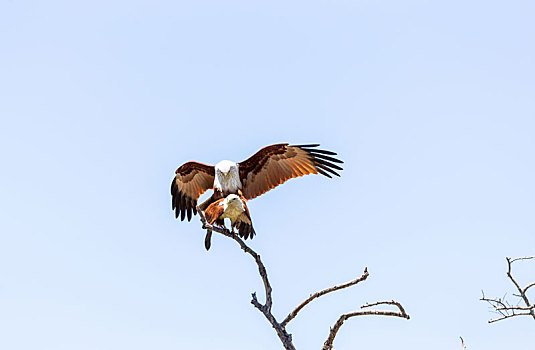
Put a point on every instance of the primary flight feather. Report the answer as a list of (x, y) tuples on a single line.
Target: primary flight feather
[(265, 170)]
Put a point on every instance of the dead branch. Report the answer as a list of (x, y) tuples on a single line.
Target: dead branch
[(328, 345), (503, 307), (280, 328), (462, 343), (285, 338), (323, 292)]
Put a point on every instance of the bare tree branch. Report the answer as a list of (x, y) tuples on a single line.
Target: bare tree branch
[(245, 248), (462, 343), (502, 307), (528, 286), (323, 292), (280, 328), (520, 290), (515, 308), (522, 258), (392, 302), (328, 345), (508, 316), (285, 338)]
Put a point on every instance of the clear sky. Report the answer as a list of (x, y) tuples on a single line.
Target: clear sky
[(430, 104)]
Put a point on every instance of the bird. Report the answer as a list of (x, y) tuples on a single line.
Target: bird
[(232, 207), (263, 171)]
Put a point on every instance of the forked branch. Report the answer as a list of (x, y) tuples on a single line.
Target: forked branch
[(285, 338), (506, 310), (328, 345), (323, 292), (280, 328), (462, 343)]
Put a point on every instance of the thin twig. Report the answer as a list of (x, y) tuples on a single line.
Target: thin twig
[(528, 287), (328, 345), (523, 258), (391, 302), (496, 301), (510, 275), (323, 292), (503, 307), (462, 343), (521, 308), (508, 316), (520, 290)]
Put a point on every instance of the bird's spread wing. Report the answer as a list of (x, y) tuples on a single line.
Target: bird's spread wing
[(192, 179), (275, 164)]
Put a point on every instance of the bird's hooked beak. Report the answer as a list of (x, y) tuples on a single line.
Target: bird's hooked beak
[(233, 200)]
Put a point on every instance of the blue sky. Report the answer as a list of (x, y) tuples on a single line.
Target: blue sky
[(430, 105)]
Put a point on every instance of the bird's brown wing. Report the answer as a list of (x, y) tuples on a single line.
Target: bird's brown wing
[(192, 179), (275, 164), (212, 214), (214, 211), (245, 224)]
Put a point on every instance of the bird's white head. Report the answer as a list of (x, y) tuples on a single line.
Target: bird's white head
[(233, 201), (225, 166), (227, 177), (232, 198)]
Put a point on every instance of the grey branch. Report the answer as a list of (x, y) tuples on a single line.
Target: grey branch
[(506, 310), (285, 338), (328, 345), (313, 296), (522, 258), (280, 328), (528, 286)]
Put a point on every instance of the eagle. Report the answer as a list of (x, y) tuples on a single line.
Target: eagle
[(232, 207), (263, 171)]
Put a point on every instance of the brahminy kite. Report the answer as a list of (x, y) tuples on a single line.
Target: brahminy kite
[(265, 170), (232, 207)]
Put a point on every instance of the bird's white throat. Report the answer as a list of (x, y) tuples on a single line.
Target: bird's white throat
[(232, 207), (227, 177)]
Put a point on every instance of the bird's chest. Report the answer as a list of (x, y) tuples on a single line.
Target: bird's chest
[(232, 213), (228, 185)]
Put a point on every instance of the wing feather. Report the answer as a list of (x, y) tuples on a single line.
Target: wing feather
[(245, 224), (326, 168), (214, 211), (276, 164), (192, 179), (321, 156), (328, 164)]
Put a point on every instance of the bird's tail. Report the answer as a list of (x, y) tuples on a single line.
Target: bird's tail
[(208, 239), (246, 230)]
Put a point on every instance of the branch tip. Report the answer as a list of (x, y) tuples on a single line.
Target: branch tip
[(502, 306)]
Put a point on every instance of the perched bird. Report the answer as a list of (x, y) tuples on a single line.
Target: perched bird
[(265, 170), (232, 207)]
